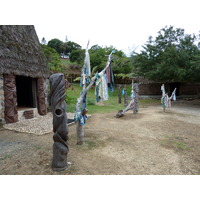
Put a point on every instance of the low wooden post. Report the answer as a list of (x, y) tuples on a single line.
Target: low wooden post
[(125, 96), (136, 91), (119, 93)]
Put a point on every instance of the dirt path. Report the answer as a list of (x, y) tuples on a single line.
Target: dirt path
[(151, 142)]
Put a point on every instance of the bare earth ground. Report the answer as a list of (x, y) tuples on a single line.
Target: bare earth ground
[(151, 142)]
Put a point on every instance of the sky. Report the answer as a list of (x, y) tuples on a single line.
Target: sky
[(124, 24)]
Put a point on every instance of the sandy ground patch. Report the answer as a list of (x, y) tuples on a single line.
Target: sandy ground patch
[(151, 142)]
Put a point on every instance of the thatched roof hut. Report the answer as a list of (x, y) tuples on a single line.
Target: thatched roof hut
[(20, 52), (23, 74)]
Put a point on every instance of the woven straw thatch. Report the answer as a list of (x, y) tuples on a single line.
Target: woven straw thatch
[(21, 52)]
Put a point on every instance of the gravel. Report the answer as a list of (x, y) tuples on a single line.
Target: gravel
[(39, 125)]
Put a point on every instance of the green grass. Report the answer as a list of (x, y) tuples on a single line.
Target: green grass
[(111, 105), (90, 144), (174, 143), (67, 62)]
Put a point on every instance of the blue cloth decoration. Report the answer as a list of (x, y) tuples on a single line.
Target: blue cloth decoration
[(174, 97), (80, 117), (84, 100)]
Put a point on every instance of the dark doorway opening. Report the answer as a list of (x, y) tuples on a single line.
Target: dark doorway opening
[(26, 89), (173, 86)]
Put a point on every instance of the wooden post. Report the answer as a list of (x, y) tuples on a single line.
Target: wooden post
[(125, 96), (136, 91), (119, 93)]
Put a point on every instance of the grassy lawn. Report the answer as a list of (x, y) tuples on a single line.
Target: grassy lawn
[(67, 62), (107, 106)]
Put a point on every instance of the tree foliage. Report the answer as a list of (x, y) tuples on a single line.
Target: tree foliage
[(98, 58), (171, 56), (55, 44), (65, 48), (69, 46), (52, 58), (77, 56)]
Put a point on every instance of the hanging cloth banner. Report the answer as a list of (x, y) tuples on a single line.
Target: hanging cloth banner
[(110, 78), (86, 70), (87, 63), (101, 90)]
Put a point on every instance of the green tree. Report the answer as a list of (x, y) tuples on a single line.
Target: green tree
[(98, 58), (77, 56), (56, 44), (69, 47), (52, 58), (172, 56)]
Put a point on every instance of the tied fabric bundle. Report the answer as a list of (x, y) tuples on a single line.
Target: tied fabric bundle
[(87, 63), (82, 118)]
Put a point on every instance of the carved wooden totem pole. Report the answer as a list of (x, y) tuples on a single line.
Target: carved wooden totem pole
[(60, 128), (41, 97), (10, 98)]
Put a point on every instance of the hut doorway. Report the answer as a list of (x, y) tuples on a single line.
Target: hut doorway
[(173, 86), (26, 92)]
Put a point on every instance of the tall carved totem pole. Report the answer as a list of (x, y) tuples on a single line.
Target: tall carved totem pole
[(60, 128), (10, 94)]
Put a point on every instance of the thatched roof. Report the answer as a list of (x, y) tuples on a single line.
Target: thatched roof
[(21, 52)]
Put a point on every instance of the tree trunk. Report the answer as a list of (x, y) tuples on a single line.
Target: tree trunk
[(79, 127), (133, 104)]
